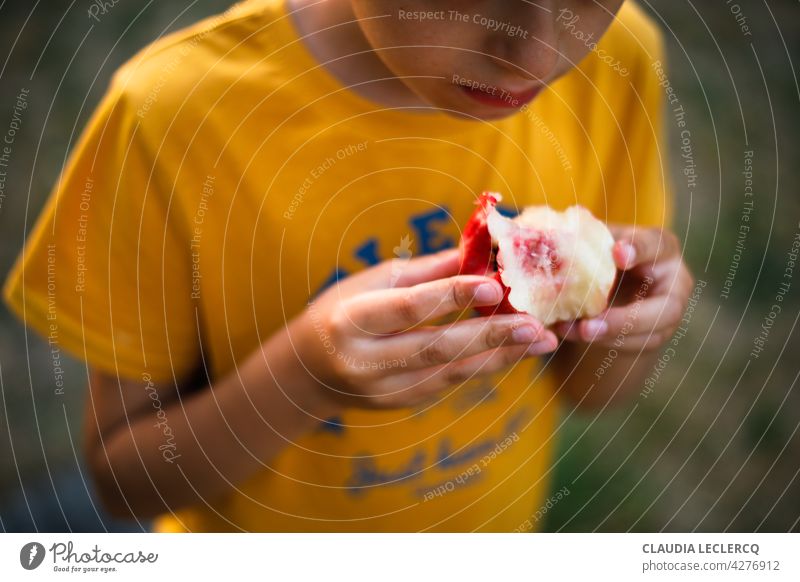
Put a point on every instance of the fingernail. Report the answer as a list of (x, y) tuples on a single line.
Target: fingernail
[(594, 328), (524, 334), (630, 255), (487, 293)]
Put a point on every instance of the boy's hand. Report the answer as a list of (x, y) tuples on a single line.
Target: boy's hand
[(653, 290), (366, 342)]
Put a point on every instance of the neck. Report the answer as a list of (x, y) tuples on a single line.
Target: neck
[(330, 31)]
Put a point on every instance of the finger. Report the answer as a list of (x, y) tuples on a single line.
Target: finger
[(425, 348), (672, 277), (569, 330), (635, 343), (643, 246), (423, 384), (654, 314), (403, 272), (393, 310)]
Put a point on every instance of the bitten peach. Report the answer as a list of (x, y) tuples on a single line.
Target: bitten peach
[(556, 266)]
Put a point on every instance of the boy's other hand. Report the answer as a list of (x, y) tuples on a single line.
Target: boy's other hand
[(368, 342), (654, 286)]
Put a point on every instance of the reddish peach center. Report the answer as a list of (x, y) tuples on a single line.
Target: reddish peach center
[(537, 253)]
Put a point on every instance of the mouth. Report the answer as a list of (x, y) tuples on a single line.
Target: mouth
[(498, 97)]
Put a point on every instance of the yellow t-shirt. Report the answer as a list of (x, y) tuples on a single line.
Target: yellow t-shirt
[(226, 178)]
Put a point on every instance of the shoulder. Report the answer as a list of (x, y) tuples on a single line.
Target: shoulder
[(633, 38), (624, 65), (635, 31), (193, 66)]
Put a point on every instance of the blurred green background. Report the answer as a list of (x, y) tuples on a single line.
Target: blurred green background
[(713, 446)]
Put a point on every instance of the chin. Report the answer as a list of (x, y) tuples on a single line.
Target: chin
[(469, 111), (494, 115)]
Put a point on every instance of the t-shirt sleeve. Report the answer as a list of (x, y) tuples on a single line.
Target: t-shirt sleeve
[(638, 177), (105, 274)]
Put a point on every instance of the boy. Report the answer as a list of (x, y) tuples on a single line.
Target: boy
[(232, 248)]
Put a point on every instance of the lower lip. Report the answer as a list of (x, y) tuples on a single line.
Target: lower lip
[(501, 99)]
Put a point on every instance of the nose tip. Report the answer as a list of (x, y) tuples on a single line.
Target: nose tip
[(533, 59)]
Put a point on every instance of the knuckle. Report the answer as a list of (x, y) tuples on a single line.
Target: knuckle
[(495, 335), (350, 368), (433, 353), (510, 356), (456, 375), (408, 308), (339, 321), (362, 372), (460, 293), (342, 369)]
